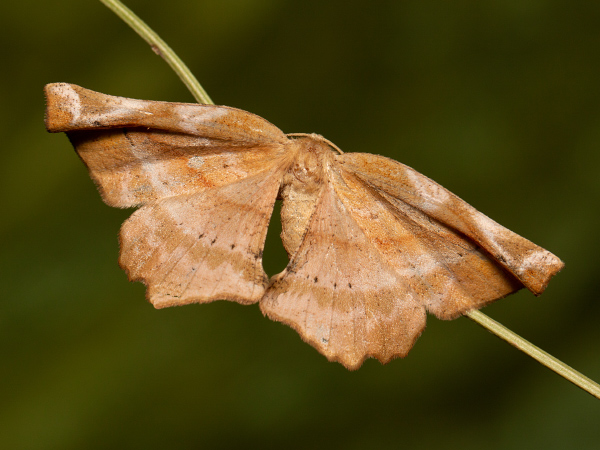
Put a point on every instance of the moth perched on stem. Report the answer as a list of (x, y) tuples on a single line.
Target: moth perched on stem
[(373, 244)]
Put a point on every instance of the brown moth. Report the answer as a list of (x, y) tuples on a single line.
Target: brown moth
[(373, 245)]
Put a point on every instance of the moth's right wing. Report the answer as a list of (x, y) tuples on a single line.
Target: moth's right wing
[(383, 245), (340, 293), (419, 197)]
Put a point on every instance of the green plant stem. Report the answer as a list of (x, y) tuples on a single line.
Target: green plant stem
[(535, 352), (161, 48)]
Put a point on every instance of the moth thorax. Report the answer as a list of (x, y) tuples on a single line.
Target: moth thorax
[(311, 160)]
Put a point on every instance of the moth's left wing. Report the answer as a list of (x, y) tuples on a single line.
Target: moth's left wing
[(138, 151), (206, 177)]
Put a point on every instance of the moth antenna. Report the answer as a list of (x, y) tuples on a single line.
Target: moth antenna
[(319, 137)]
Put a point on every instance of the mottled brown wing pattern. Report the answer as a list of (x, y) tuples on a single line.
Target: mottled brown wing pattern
[(367, 269), (207, 176), (196, 248), (400, 185), (340, 294), (138, 151), (444, 269)]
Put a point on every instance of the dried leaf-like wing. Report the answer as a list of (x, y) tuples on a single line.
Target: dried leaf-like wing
[(446, 271), (138, 151), (207, 175), (404, 187), (372, 261), (341, 295), (196, 248)]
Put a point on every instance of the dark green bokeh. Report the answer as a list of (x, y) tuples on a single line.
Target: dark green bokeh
[(499, 101)]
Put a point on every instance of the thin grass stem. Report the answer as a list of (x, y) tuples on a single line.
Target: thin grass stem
[(536, 353), (161, 48)]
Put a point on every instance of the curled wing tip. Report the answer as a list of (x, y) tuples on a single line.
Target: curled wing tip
[(536, 268), (62, 105)]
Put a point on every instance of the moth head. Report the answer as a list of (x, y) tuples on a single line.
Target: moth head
[(313, 157)]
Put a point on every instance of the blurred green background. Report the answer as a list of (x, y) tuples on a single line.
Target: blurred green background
[(499, 101)]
